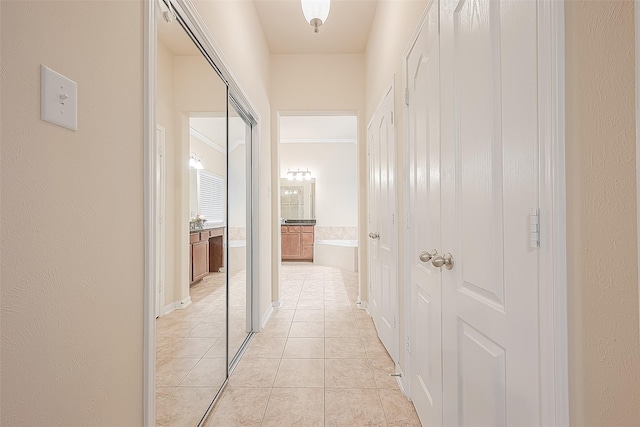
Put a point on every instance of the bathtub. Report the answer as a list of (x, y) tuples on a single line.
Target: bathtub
[(237, 255), (342, 254)]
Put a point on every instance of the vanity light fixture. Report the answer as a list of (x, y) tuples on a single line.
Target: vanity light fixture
[(194, 162), (298, 175), (316, 12)]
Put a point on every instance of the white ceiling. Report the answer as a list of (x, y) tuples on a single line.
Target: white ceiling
[(345, 31), (287, 32)]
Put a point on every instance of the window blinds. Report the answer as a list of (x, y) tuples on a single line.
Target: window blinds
[(212, 197)]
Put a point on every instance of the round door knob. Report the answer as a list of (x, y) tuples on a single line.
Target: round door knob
[(426, 256), (445, 260), (374, 235)]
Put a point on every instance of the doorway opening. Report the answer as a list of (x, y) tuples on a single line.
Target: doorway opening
[(318, 189)]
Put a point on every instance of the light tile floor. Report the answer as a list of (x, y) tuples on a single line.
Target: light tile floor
[(190, 349), (318, 362)]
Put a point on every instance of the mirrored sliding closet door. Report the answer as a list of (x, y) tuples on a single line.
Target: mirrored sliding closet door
[(240, 296), (203, 181)]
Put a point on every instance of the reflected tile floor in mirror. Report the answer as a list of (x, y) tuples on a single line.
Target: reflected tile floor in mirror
[(190, 349), (318, 362)]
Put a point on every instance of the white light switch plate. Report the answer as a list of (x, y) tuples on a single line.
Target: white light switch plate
[(58, 99)]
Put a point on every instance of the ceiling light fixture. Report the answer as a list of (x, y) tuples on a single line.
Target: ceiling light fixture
[(316, 12)]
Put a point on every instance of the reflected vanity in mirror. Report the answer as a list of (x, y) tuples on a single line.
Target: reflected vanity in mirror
[(207, 182)]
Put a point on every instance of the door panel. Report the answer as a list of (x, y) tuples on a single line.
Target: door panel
[(482, 366), (477, 34), (382, 258), (427, 379), (374, 201), (423, 114), (386, 323), (489, 184)]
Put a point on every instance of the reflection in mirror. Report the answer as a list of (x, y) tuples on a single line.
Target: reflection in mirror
[(297, 198), (239, 231), (191, 337)]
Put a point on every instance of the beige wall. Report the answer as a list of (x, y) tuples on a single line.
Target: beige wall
[(319, 83), (237, 31), (212, 160), (604, 362), (72, 217), (165, 117), (394, 25)]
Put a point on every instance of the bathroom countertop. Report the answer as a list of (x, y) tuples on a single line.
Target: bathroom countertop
[(207, 227), (299, 222)]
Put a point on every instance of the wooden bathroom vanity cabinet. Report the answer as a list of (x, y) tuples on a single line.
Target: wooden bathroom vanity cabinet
[(206, 250), (297, 242)]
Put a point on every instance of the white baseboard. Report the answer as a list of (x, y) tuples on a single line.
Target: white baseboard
[(168, 308), (363, 305), (184, 303), (265, 317), (276, 304), (178, 305), (366, 308), (400, 381)]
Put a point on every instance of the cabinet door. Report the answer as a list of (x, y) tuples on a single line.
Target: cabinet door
[(200, 259), (291, 245), (307, 252), (307, 243), (307, 238), (191, 263), (216, 253)]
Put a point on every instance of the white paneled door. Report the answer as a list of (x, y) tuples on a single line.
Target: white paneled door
[(382, 230), (489, 187), (423, 117), (473, 182)]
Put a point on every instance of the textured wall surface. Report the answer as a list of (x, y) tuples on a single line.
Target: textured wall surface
[(604, 360), (72, 217)]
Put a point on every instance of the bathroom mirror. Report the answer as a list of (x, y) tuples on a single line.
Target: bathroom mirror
[(297, 199)]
